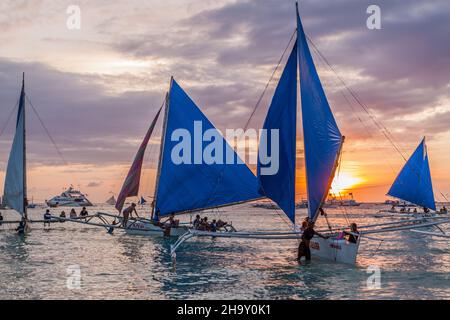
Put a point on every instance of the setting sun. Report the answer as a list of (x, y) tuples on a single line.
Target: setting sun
[(343, 182)]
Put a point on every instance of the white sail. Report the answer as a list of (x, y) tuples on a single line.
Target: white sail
[(15, 181), (111, 201)]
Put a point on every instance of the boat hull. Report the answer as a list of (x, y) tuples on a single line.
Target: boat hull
[(341, 251), (147, 229)]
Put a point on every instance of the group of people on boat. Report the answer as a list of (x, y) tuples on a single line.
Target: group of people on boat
[(202, 224), (443, 210), (72, 215), (404, 210)]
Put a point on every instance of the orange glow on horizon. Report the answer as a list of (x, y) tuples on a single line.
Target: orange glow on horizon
[(344, 182)]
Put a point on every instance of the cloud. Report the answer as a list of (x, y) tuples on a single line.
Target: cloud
[(88, 125), (97, 90), (94, 184)]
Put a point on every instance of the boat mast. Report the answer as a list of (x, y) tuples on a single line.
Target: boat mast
[(25, 204), (330, 180), (163, 141)]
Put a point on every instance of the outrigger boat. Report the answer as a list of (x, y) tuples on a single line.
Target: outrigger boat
[(323, 143), (441, 234), (15, 189), (182, 188), (414, 185), (190, 186)]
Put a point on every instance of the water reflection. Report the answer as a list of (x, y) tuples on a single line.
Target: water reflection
[(129, 267)]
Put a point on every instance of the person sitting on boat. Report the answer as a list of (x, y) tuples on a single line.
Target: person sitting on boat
[(393, 208), (351, 236), (84, 212), (443, 210), (426, 210), (307, 235), (204, 225), (47, 217), (415, 210), (63, 216), (213, 226), (73, 214), (197, 221), (128, 213), (221, 224)]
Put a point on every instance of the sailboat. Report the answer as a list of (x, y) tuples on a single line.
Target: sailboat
[(142, 201), (414, 184), (191, 186), (323, 143), (111, 201), (15, 189)]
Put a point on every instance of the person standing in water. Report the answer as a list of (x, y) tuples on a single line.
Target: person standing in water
[(21, 228), (303, 248)]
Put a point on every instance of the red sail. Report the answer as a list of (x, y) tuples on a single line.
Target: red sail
[(130, 187)]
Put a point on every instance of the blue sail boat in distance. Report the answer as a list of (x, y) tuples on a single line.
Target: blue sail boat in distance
[(142, 201), (413, 184)]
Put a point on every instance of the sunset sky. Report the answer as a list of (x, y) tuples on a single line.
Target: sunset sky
[(98, 88)]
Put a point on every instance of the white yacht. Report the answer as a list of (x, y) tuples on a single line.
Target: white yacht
[(69, 198)]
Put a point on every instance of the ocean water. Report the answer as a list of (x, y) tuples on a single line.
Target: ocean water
[(41, 265)]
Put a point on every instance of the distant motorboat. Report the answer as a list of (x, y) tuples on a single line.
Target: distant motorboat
[(333, 201), (265, 205), (397, 203), (341, 203), (302, 205), (271, 205), (69, 198)]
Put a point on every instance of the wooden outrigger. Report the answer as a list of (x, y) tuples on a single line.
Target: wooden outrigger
[(337, 249)]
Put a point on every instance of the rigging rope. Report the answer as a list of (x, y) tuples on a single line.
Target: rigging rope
[(9, 118), (47, 132), (355, 96), (379, 125), (268, 82)]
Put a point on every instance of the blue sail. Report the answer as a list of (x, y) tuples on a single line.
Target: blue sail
[(142, 201), (413, 184), (282, 116), (14, 189), (322, 137), (193, 184)]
